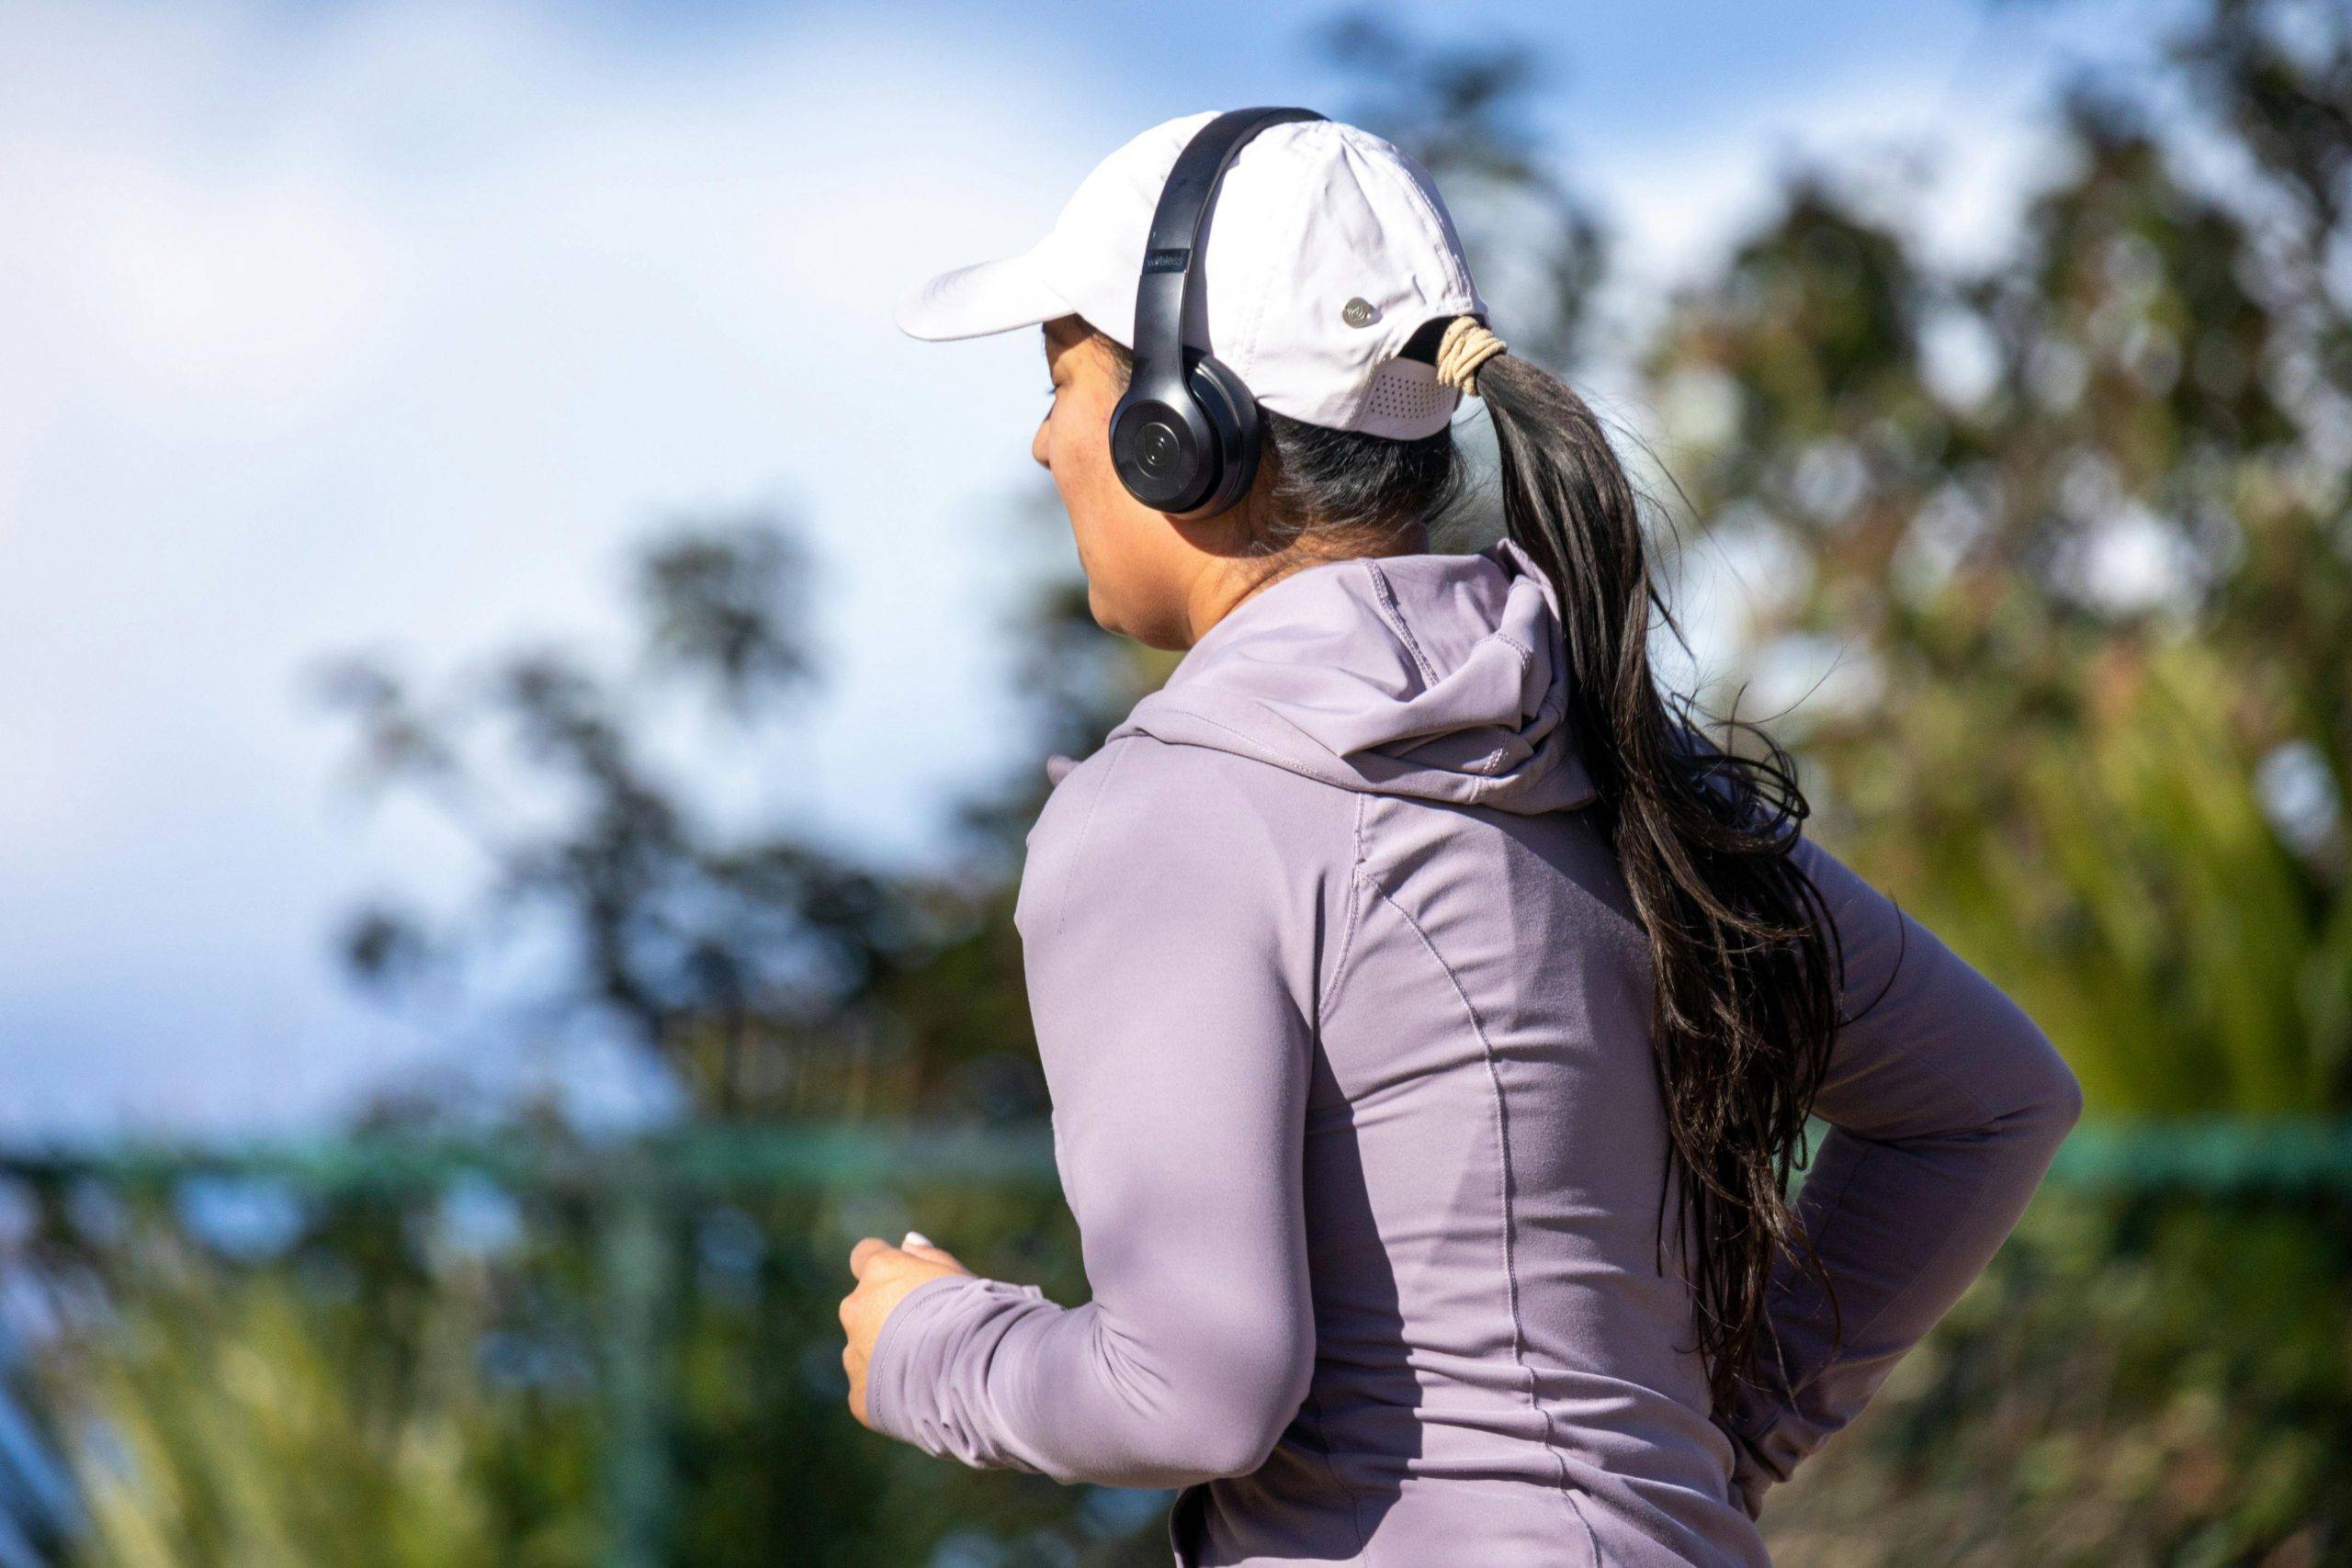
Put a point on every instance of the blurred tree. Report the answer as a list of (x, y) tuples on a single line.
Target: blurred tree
[(2071, 529), (770, 972)]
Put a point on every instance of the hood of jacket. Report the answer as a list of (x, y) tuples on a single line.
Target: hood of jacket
[(1437, 676)]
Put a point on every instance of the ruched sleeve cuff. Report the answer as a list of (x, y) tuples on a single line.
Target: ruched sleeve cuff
[(927, 1380)]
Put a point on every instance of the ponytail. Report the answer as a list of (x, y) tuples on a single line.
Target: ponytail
[(1745, 996)]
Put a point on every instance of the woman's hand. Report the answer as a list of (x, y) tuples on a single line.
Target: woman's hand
[(885, 1274)]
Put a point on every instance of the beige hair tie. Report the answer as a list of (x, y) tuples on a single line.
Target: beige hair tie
[(1466, 346)]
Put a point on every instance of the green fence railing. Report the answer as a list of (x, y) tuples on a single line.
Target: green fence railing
[(698, 1160), (2219, 1156)]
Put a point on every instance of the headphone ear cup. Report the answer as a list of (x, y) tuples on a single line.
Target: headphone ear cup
[(1165, 449), (1237, 429)]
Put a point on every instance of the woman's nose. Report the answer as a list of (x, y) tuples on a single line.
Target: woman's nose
[(1038, 444)]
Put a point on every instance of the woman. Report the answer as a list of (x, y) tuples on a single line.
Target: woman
[(1430, 1016)]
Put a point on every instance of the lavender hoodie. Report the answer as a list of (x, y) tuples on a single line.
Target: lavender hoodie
[(1343, 1011)]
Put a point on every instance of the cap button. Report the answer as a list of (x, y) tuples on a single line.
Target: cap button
[(1359, 312)]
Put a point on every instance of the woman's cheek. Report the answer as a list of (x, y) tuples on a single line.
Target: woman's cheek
[(1070, 454)]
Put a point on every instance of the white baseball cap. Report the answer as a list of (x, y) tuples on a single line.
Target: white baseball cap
[(1328, 247)]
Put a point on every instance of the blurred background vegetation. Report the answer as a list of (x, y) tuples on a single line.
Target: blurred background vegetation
[(2054, 550)]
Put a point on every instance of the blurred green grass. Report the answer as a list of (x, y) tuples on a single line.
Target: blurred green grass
[(446, 1352)]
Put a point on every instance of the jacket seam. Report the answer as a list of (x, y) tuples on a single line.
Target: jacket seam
[(1251, 747), (1385, 599), (1510, 1266), (1246, 745), (1355, 910), (1078, 848)]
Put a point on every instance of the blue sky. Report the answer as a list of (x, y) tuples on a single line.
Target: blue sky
[(391, 326)]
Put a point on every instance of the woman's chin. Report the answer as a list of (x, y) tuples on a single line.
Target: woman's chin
[(1104, 615)]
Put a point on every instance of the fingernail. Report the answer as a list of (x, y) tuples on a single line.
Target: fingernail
[(916, 1238)]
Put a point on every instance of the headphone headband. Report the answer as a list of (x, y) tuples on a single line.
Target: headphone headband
[(1187, 450), (1171, 270)]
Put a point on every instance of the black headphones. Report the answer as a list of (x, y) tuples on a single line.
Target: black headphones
[(1184, 437)]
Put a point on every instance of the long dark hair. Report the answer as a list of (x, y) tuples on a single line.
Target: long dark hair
[(1746, 969)]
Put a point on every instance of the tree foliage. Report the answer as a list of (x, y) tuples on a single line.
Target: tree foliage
[(2072, 528)]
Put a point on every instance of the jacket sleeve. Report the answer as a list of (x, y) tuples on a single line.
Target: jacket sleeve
[(1172, 999), (1945, 1104)]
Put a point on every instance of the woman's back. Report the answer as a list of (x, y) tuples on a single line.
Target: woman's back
[(1483, 1163), (1345, 1014)]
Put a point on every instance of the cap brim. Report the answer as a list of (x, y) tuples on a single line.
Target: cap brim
[(977, 300)]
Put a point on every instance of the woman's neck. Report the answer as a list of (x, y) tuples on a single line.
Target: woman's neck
[(1231, 581)]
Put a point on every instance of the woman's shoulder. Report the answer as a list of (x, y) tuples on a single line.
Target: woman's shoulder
[(1171, 817), (1138, 786)]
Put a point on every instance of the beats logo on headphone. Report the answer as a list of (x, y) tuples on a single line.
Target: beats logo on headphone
[(1184, 437)]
